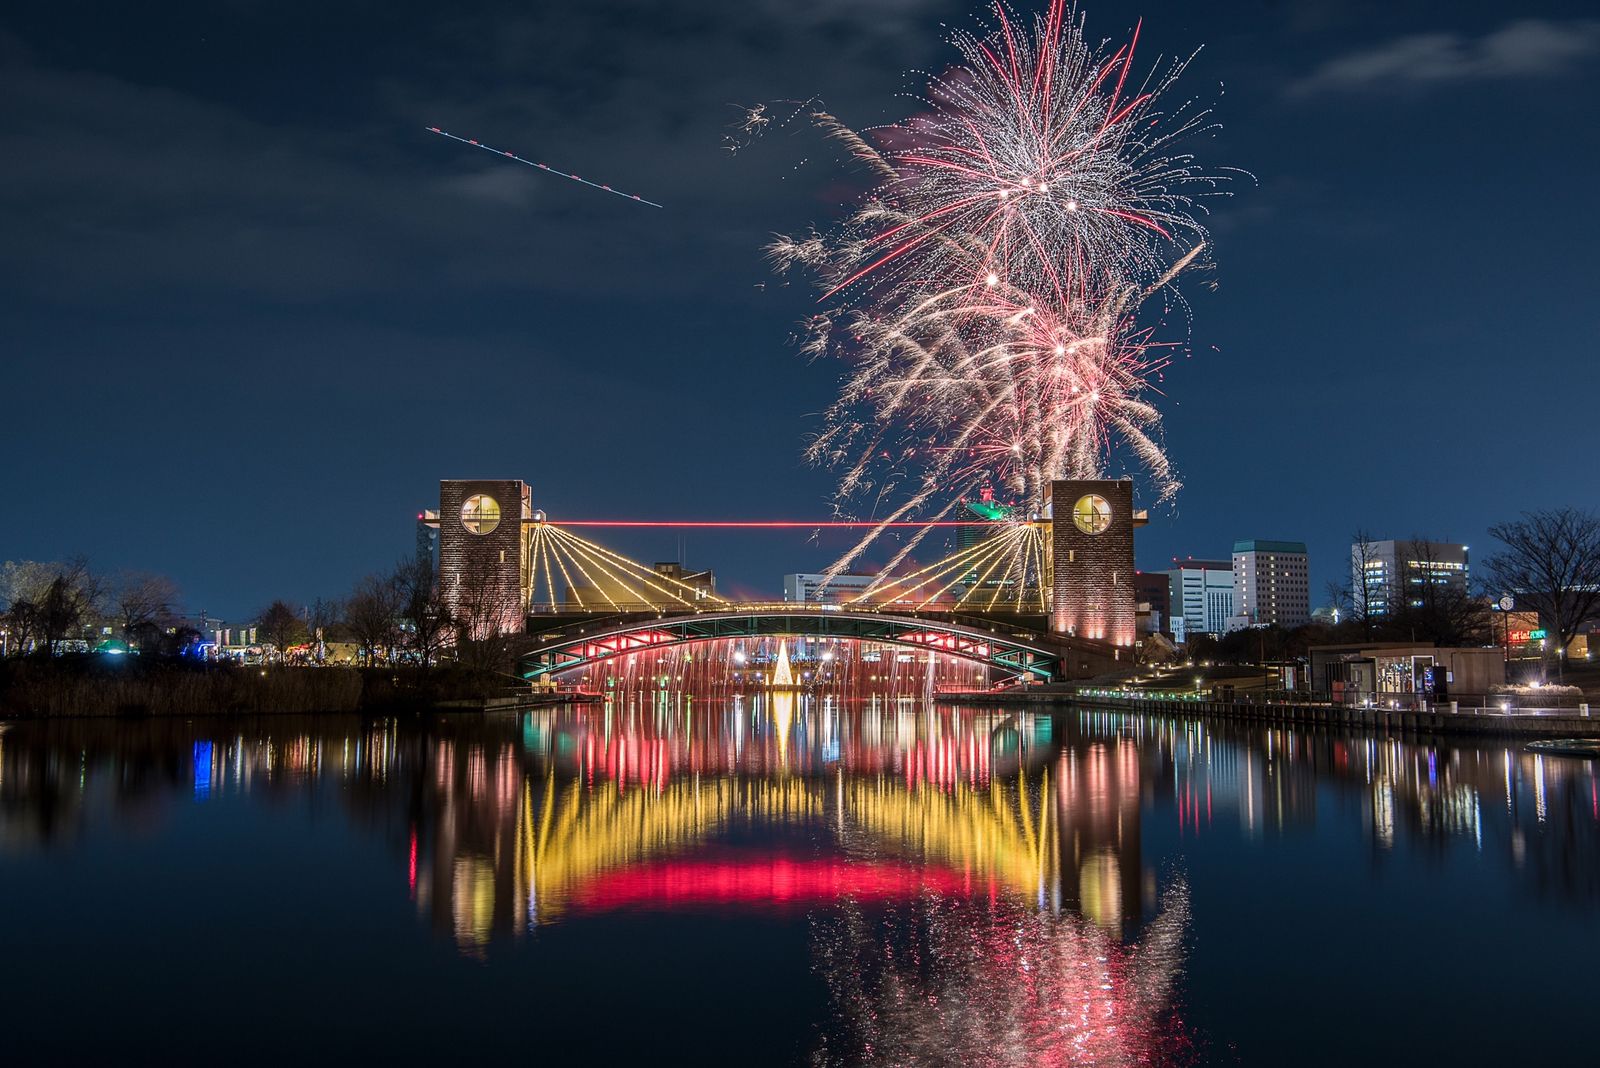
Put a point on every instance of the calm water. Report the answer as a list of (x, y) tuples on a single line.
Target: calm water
[(781, 880)]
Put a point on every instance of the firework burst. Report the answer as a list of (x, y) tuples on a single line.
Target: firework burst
[(994, 289)]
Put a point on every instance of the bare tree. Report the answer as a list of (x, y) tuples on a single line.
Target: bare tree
[(22, 587), (142, 603), (68, 601), (1427, 603), (426, 617), (1551, 564), (324, 620), (372, 612), (24, 580), (281, 626), (488, 615), (1368, 588), (1342, 600)]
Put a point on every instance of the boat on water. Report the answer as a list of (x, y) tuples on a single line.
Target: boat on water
[(1578, 747)]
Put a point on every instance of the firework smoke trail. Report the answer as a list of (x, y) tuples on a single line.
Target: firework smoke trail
[(992, 289), (542, 167)]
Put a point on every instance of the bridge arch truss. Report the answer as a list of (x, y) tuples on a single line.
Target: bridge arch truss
[(1002, 651)]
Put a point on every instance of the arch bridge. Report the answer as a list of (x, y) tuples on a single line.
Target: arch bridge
[(1036, 657)]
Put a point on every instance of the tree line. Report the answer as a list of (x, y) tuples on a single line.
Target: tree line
[(1548, 564), (396, 615), (389, 616), (403, 615), (45, 606)]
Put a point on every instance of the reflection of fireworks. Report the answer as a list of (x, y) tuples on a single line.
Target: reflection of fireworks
[(991, 283), (971, 982)]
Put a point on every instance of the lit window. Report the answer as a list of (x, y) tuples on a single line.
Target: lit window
[(1092, 514), (480, 513)]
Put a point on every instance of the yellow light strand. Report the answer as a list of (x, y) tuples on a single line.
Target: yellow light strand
[(621, 579), (645, 575), (993, 560), (1011, 558), (588, 578), (572, 587), (965, 559)]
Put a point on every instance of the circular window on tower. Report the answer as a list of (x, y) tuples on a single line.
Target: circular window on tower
[(480, 513), (1092, 514)]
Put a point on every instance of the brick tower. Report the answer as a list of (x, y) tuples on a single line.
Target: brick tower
[(483, 565), (1091, 543)]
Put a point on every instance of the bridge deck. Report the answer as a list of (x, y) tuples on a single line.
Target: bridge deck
[(1015, 642)]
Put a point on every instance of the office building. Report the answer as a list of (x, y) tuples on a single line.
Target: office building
[(427, 554), (1272, 583), (1201, 592), (1388, 576), (1153, 590), (824, 589), (704, 583)]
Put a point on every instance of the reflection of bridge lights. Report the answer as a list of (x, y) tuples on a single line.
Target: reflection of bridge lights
[(776, 881)]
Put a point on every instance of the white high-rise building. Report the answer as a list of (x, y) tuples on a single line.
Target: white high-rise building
[(1272, 582), (1202, 595), (820, 589)]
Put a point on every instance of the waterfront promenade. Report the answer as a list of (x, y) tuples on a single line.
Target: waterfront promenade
[(1446, 718)]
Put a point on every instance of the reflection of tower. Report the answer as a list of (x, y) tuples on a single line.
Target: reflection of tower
[(1092, 557), (483, 559), (474, 881), (1097, 788)]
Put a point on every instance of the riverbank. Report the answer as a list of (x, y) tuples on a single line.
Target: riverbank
[(90, 687), (1555, 723)]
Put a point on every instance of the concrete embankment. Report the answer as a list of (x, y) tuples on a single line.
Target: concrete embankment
[(1557, 723)]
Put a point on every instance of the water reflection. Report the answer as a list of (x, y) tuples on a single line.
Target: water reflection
[(949, 980), (977, 885), (772, 803)]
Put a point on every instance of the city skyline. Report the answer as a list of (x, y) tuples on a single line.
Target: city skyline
[(279, 303)]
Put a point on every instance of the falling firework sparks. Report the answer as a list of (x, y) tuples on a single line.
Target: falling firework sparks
[(994, 288), (542, 166)]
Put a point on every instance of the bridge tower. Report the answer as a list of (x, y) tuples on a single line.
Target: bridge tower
[(1091, 549), (483, 557)]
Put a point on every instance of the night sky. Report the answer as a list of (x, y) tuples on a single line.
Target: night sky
[(251, 311)]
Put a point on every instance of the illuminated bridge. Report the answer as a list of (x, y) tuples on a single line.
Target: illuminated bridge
[(582, 641), (1027, 598)]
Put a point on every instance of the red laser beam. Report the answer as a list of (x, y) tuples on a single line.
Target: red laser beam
[(773, 524)]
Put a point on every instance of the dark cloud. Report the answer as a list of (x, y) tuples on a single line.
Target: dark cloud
[(1525, 48), (131, 186)]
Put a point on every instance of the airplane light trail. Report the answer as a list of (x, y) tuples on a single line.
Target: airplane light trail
[(542, 167)]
